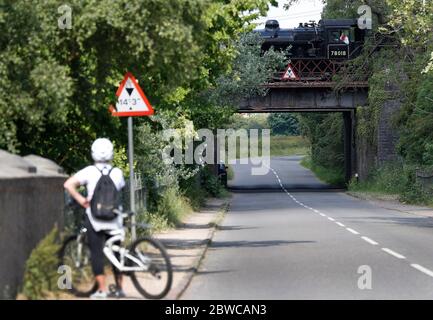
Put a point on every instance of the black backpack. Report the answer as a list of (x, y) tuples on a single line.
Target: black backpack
[(105, 198)]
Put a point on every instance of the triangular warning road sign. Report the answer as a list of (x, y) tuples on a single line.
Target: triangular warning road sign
[(289, 74), (131, 100)]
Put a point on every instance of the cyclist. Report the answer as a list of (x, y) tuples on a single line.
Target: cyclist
[(102, 154)]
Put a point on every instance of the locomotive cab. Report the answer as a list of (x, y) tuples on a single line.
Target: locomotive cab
[(344, 38)]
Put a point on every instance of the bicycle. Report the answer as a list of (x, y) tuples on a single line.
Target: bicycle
[(146, 256)]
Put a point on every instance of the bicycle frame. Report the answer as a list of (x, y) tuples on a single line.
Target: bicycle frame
[(110, 249), (140, 263)]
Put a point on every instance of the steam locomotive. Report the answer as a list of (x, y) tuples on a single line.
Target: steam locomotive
[(339, 39)]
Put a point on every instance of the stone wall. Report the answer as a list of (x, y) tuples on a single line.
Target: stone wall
[(387, 136), (31, 203)]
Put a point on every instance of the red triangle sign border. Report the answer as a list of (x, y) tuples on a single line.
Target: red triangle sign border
[(113, 110), (289, 66)]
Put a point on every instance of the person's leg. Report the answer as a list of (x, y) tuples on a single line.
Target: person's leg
[(117, 274), (96, 245)]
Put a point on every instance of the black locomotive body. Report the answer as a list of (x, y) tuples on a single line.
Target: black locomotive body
[(339, 39)]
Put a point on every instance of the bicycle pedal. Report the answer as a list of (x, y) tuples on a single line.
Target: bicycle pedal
[(112, 288)]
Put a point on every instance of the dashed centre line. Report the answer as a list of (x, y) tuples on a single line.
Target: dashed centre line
[(393, 253), (352, 231), (374, 243), (422, 269), (370, 241)]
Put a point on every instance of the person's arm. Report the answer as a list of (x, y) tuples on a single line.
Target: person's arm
[(71, 186)]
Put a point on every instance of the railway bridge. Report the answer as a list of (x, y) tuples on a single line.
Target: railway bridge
[(316, 96)]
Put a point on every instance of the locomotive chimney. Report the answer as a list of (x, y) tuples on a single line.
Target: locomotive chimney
[(272, 25)]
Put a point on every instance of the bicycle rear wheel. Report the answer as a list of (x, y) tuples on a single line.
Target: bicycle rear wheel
[(155, 282), (76, 255)]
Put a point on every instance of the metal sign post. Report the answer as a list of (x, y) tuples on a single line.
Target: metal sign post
[(131, 102), (131, 178)]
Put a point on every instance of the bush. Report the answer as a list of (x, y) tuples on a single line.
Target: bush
[(394, 179), (40, 275), (158, 222), (192, 189), (212, 184), (173, 206), (332, 176), (284, 124)]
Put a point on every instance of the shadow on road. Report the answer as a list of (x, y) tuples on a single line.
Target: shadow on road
[(232, 228), (419, 222), (254, 244), (182, 244)]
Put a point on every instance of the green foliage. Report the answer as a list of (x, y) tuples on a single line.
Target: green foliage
[(393, 178), (56, 84), (40, 275), (283, 124), (331, 175), (413, 19), (247, 121), (416, 130), (340, 9), (230, 173), (212, 184), (193, 190), (172, 206), (383, 77), (157, 222), (120, 159), (250, 69), (289, 145), (325, 133)]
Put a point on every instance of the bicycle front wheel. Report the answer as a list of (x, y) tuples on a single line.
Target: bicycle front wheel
[(75, 254), (155, 282)]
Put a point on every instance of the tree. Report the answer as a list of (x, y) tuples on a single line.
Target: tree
[(56, 84), (325, 132), (283, 124)]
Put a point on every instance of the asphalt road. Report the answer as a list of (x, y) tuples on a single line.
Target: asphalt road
[(292, 175), (314, 245)]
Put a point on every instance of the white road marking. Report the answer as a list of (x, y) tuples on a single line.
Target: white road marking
[(370, 241), (422, 269), (393, 253), (389, 251), (352, 231)]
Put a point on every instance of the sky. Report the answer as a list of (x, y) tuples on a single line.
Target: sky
[(303, 11)]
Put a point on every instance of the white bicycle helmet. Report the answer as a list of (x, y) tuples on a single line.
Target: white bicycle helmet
[(102, 150)]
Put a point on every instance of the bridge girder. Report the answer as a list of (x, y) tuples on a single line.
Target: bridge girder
[(307, 97)]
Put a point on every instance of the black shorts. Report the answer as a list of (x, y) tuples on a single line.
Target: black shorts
[(96, 240)]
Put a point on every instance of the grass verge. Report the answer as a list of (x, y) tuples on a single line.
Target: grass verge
[(393, 181), (289, 146), (333, 177), (279, 146)]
